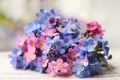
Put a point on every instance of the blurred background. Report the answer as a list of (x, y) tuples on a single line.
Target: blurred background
[(15, 14)]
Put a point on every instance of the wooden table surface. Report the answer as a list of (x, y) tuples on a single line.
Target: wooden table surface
[(8, 72)]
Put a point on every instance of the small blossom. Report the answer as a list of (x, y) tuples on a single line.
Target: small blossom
[(30, 56), (72, 54), (88, 44), (21, 40), (46, 48), (49, 32), (52, 68), (77, 68), (95, 68), (40, 42), (31, 27), (59, 47), (42, 61), (95, 28), (62, 66)]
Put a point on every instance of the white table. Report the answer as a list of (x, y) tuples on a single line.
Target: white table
[(7, 72)]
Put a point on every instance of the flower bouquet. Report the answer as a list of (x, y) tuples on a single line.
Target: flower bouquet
[(60, 47)]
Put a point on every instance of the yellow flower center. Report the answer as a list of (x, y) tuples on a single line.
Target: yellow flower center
[(89, 46), (43, 62), (49, 33), (22, 42), (70, 41), (78, 67), (68, 26), (33, 44), (82, 61), (90, 28), (47, 47), (57, 46), (73, 54), (60, 65), (30, 54), (52, 69), (41, 43)]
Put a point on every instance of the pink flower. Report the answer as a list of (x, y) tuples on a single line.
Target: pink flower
[(52, 68), (42, 61), (21, 40), (95, 28), (31, 42), (40, 42), (30, 56), (49, 32), (62, 66), (83, 61), (71, 54), (69, 72), (92, 25)]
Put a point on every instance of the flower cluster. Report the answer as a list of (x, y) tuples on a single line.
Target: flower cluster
[(58, 47)]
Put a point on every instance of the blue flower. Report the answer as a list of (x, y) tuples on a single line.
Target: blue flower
[(77, 67), (19, 62), (46, 48), (85, 73), (39, 69), (104, 44), (88, 44), (80, 53), (67, 29), (33, 65), (70, 41), (59, 47), (71, 26), (42, 15), (16, 52), (55, 13), (31, 27), (105, 47), (80, 70), (92, 59), (48, 18), (95, 68)]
